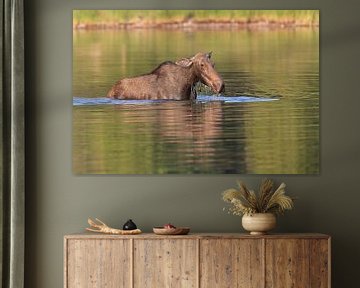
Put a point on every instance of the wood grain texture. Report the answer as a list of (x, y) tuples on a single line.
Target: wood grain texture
[(88, 235), (231, 263), (197, 260), (287, 263), (165, 263), (319, 263), (98, 264)]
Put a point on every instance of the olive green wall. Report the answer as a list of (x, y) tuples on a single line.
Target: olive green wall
[(58, 202)]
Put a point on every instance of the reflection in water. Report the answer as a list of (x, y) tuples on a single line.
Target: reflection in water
[(204, 136), (176, 137)]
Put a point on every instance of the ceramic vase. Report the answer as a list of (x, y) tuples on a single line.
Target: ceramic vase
[(259, 223)]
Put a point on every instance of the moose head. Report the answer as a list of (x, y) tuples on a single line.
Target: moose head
[(204, 70)]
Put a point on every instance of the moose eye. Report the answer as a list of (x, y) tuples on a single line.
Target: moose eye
[(202, 65)]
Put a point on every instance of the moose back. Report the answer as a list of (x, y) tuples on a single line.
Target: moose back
[(171, 80)]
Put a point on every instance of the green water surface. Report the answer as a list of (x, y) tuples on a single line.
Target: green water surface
[(278, 137)]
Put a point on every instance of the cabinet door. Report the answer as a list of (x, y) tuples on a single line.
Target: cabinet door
[(98, 263), (320, 263), (165, 263), (287, 263), (231, 263)]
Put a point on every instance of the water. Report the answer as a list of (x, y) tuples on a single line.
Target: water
[(267, 121)]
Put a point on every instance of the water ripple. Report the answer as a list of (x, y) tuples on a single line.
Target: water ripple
[(80, 101)]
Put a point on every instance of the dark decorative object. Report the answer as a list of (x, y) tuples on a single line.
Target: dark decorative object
[(129, 225)]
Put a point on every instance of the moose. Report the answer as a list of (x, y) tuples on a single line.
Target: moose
[(171, 80)]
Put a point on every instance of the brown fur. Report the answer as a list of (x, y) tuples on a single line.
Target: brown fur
[(170, 80)]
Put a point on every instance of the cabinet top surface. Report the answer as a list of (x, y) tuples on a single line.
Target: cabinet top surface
[(86, 235)]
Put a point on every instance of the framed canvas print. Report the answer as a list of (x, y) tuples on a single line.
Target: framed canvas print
[(196, 92)]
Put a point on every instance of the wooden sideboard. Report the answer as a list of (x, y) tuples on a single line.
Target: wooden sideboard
[(197, 260)]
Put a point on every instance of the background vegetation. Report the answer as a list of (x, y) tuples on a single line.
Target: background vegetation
[(152, 17)]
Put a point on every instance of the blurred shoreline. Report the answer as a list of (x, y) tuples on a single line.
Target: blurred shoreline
[(193, 19), (195, 25)]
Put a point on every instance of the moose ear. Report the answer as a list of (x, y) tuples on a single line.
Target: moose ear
[(208, 55), (185, 62)]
